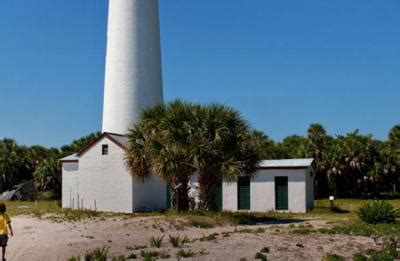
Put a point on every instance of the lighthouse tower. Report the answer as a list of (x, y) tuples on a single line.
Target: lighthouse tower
[(133, 78)]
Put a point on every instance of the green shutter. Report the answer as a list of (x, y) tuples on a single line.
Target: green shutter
[(218, 196), (243, 193), (168, 199), (281, 193)]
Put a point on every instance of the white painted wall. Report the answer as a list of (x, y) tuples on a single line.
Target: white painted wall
[(149, 196), (230, 196), (262, 191), (133, 78), (104, 179), (70, 183)]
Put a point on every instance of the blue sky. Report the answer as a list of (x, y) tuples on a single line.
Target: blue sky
[(283, 64)]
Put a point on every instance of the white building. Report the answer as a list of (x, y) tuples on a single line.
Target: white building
[(278, 185), (96, 178)]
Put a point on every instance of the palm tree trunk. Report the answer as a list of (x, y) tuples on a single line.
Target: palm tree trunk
[(207, 182)]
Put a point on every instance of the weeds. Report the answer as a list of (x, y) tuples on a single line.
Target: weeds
[(183, 253), (210, 237), (264, 250), (333, 257), (156, 241), (260, 256), (97, 254), (177, 241)]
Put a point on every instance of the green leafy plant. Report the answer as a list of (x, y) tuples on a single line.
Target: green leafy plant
[(156, 241), (260, 256), (210, 237), (332, 257), (97, 254), (378, 211), (178, 241), (149, 255), (183, 253)]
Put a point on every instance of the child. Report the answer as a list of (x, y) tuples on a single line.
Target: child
[(5, 225)]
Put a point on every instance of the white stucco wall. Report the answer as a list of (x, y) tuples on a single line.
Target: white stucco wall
[(70, 184), (262, 191), (229, 196), (104, 180), (149, 196)]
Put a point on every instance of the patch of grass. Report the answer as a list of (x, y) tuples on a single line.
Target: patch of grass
[(178, 241), (132, 256), (378, 211), (118, 258), (97, 254), (209, 237), (149, 255), (250, 230), (73, 258), (260, 256), (183, 253), (156, 241), (264, 250), (303, 231), (333, 257)]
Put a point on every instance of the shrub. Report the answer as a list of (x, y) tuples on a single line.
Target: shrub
[(332, 257), (97, 254), (265, 250), (260, 256), (378, 211), (156, 241), (210, 237), (183, 253), (177, 241)]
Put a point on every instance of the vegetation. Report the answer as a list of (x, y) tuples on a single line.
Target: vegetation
[(378, 211), (19, 164), (178, 241), (333, 257), (185, 253), (156, 241), (177, 139), (97, 254)]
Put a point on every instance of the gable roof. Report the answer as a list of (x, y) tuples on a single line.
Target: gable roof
[(285, 163), (70, 158), (118, 139)]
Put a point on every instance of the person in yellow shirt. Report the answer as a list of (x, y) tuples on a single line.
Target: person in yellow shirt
[(5, 226)]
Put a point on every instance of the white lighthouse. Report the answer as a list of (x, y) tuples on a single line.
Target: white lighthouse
[(133, 78)]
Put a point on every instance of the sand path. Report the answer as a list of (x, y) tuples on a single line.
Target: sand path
[(43, 239)]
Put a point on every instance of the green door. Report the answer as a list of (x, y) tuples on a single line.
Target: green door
[(218, 195), (244, 193), (168, 199), (281, 193)]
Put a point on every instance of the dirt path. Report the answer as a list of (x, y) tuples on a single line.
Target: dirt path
[(42, 239)]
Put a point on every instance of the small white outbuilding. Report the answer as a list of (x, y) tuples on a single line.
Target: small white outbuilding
[(96, 178), (278, 185)]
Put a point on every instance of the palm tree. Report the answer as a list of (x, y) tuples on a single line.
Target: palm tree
[(222, 147), (158, 145)]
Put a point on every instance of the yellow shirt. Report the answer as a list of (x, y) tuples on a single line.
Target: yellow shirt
[(4, 221)]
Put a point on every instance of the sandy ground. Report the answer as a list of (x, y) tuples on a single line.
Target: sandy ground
[(43, 239)]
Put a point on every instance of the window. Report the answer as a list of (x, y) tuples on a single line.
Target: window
[(104, 149)]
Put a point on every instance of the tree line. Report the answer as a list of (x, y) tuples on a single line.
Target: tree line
[(177, 139), (350, 165), (36, 164)]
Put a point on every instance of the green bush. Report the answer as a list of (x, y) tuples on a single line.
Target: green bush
[(332, 257), (156, 241), (97, 254), (260, 256), (378, 211)]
